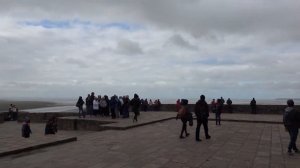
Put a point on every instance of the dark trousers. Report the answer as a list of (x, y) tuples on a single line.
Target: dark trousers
[(183, 129), (218, 118), (113, 113), (293, 131), (125, 112), (229, 108), (136, 113), (81, 112), (199, 123), (253, 109)]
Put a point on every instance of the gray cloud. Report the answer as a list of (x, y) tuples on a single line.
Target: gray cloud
[(181, 42), (129, 47), (170, 48)]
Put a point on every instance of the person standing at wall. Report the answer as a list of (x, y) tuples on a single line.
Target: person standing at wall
[(219, 109), (229, 105), (202, 113), (291, 121), (79, 104), (253, 106)]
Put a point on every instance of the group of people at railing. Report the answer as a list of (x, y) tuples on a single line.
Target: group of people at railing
[(114, 107)]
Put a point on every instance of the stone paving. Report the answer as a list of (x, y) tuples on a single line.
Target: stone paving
[(12, 142), (233, 145)]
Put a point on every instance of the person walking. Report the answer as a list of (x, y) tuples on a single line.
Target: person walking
[(291, 121), (79, 104), (183, 115), (202, 114), (177, 105), (135, 103)]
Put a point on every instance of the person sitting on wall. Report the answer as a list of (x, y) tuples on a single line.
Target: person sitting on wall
[(51, 126), (10, 112), (26, 131)]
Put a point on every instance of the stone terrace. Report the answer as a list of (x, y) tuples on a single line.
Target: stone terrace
[(233, 144)]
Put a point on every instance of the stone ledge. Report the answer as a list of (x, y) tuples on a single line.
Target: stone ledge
[(249, 121), (39, 146)]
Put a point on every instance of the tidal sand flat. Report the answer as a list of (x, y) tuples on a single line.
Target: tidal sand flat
[(21, 104)]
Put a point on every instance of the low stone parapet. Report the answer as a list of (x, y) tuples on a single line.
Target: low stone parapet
[(2, 117), (42, 117), (244, 109), (74, 123)]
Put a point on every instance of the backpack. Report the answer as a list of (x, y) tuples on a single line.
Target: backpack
[(190, 118), (103, 103)]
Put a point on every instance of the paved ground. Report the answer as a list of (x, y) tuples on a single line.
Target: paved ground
[(12, 142), (233, 144)]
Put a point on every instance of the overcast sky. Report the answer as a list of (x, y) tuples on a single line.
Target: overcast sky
[(156, 48)]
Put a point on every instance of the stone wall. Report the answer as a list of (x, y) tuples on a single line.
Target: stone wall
[(43, 117), (80, 124), (2, 117), (261, 109)]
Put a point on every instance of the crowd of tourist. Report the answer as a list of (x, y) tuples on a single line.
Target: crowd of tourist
[(115, 106)]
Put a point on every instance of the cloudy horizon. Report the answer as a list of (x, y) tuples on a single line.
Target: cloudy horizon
[(157, 48)]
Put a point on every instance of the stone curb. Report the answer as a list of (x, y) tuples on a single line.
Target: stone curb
[(39, 146), (104, 127), (107, 127), (248, 121)]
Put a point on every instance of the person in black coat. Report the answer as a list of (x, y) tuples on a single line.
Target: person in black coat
[(79, 104), (51, 126), (219, 110), (253, 106), (202, 113), (291, 121), (26, 131), (135, 103)]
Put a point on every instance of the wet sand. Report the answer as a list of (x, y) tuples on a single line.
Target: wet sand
[(4, 104)]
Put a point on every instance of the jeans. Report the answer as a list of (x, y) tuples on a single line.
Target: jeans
[(199, 122), (218, 118), (183, 129), (293, 131), (81, 112)]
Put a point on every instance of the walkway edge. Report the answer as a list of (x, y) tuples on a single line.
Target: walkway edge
[(30, 148), (248, 121)]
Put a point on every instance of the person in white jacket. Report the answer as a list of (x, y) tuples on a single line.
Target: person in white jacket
[(95, 107)]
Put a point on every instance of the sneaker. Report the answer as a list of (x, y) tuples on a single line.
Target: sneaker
[(198, 140), (208, 137), (187, 134), (296, 150), (290, 152)]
